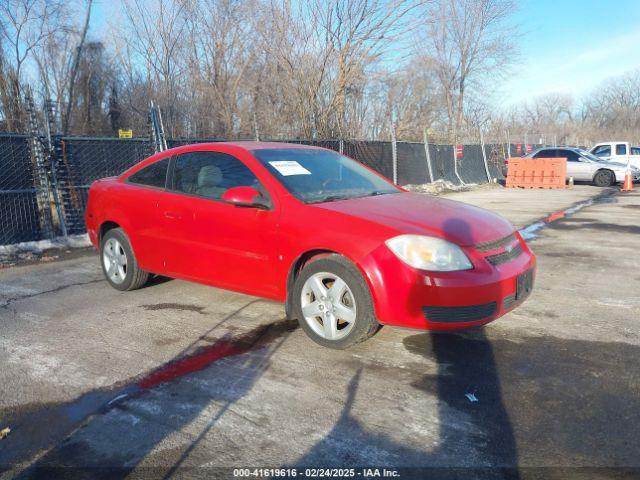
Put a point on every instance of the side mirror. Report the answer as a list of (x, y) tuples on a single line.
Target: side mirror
[(245, 197)]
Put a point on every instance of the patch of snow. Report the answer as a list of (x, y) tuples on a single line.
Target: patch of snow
[(439, 186), (529, 232), (72, 241)]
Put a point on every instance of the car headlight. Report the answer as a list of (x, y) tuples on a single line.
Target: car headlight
[(429, 253)]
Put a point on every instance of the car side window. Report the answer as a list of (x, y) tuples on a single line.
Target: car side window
[(621, 149), (602, 151), (154, 175), (210, 174), (570, 155), (547, 153)]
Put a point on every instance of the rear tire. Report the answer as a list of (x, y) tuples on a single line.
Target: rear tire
[(119, 264), (332, 303), (604, 178)]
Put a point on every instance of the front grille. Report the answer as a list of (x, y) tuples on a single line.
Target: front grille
[(469, 313), (495, 244), (504, 257)]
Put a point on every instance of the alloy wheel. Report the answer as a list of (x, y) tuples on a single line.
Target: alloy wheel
[(114, 259), (328, 305)]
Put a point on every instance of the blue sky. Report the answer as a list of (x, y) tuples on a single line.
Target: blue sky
[(566, 46), (571, 46)]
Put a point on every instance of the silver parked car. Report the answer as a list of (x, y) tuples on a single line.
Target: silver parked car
[(586, 167)]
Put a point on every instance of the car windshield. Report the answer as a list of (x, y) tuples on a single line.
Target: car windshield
[(317, 175), (589, 156)]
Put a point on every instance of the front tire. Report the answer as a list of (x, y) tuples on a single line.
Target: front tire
[(118, 262), (333, 304), (604, 178)]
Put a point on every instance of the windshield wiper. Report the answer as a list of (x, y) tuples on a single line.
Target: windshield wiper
[(378, 192), (333, 198), (330, 198), (375, 193)]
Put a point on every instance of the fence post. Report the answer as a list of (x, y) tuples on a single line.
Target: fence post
[(394, 153), (455, 160), (41, 179), (255, 126), (341, 146), (157, 129), (484, 156), (426, 151), (455, 165), (53, 160)]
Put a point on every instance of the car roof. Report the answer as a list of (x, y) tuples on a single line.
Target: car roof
[(560, 148), (256, 145), (574, 149), (248, 146)]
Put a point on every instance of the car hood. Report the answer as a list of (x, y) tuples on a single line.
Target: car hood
[(617, 165), (421, 214), (613, 165)]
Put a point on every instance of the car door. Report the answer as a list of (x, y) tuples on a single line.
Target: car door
[(577, 168), (143, 198), (602, 151), (213, 241)]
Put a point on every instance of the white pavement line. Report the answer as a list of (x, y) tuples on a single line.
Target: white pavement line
[(118, 398)]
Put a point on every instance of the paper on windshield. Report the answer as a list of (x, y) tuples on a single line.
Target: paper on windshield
[(289, 167)]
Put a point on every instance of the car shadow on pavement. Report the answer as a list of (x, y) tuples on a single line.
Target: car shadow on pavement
[(467, 382), (465, 366), (546, 407), (107, 433)]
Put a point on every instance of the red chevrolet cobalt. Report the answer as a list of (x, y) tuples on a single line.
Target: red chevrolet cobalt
[(345, 249)]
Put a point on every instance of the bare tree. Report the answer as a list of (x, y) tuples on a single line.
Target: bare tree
[(221, 51), (74, 69), (327, 49), (154, 35), (468, 40), (23, 27), (614, 108)]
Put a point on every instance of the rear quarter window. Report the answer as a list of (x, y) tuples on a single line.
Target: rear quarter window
[(154, 175)]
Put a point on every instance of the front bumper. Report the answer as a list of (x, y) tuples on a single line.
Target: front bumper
[(406, 297), (635, 176)]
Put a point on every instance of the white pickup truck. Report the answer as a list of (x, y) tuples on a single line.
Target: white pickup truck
[(617, 152)]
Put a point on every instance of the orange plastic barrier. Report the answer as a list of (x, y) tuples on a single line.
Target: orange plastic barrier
[(537, 173)]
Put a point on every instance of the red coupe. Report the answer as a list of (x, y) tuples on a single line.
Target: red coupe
[(344, 248)]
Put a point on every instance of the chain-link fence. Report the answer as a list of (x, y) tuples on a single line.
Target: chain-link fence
[(19, 210), (80, 161), (43, 188)]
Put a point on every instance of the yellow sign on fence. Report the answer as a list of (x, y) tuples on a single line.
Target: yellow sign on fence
[(125, 133)]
